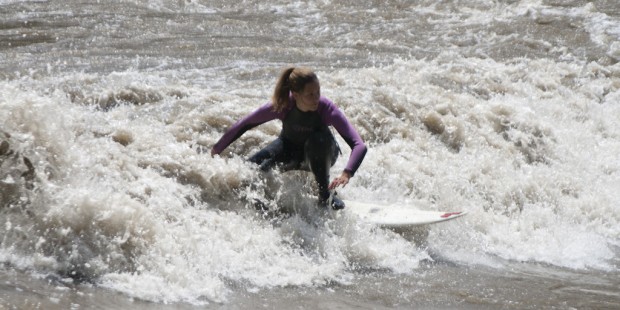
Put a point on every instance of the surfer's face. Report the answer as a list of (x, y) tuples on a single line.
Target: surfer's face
[(308, 99)]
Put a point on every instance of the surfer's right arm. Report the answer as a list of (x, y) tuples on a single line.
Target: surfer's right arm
[(261, 115)]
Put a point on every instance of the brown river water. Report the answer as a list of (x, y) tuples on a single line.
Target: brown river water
[(506, 109)]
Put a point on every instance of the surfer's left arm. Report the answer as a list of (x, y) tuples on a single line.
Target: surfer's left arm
[(336, 118)]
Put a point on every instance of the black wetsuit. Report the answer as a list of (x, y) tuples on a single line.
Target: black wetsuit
[(305, 142)]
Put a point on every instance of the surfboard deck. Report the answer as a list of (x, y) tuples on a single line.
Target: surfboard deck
[(397, 216)]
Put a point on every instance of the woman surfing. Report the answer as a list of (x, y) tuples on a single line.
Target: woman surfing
[(305, 141)]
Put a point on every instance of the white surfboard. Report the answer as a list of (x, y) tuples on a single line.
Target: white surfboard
[(397, 216)]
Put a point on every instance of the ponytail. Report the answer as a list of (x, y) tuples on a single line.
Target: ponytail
[(282, 90), (292, 79)]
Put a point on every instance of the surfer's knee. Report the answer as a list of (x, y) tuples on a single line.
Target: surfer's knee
[(266, 158), (263, 158)]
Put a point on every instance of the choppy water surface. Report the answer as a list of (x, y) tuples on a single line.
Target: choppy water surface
[(505, 109)]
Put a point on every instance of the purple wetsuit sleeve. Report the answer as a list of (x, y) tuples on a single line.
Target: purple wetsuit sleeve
[(334, 117), (262, 115)]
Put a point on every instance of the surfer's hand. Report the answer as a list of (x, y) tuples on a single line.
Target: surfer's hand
[(213, 153), (343, 179)]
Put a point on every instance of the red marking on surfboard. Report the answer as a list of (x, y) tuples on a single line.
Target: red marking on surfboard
[(449, 214)]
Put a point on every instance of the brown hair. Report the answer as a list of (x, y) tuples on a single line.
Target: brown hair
[(292, 79)]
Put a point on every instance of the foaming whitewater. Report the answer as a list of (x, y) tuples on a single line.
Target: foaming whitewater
[(125, 194), (106, 177)]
